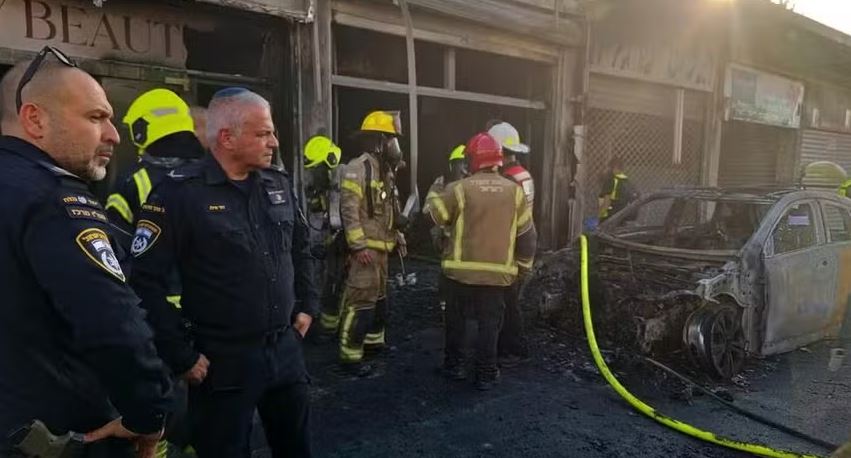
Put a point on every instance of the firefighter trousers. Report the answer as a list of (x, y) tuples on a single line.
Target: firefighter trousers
[(484, 304), (332, 283), (512, 337), (364, 308)]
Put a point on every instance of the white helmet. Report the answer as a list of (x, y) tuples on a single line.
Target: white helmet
[(509, 138)]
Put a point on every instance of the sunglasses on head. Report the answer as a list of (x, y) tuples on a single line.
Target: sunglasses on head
[(34, 66)]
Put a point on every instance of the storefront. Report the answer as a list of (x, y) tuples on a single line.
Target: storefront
[(648, 93), (448, 70), (760, 133), (131, 47)]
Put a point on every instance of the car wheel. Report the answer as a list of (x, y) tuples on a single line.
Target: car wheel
[(716, 341)]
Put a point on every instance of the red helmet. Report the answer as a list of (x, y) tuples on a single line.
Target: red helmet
[(483, 151)]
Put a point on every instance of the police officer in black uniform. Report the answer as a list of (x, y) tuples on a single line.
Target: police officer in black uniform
[(230, 224), (75, 351)]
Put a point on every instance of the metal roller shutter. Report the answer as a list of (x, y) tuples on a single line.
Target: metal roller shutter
[(750, 153), (634, 120), (818, 145)]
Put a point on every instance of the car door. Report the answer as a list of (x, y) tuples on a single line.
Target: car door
[(800, 274), (837, 224)]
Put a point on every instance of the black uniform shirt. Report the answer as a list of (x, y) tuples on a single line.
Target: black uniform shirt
[(74, 345), (243, 258)]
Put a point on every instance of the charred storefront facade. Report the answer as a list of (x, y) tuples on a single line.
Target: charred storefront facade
[(450, 67), (193, 49)]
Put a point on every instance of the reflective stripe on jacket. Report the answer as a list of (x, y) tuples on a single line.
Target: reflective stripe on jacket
[(492, 234), (365, 230)]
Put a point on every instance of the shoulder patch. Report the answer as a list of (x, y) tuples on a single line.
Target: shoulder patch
[(153, 208), (79, 199), (95, 244), (147, 233), (78, 212)]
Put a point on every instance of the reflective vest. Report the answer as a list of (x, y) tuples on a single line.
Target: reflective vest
[(613, 196), (491, 232), (367, 205), (843, 188), (518, 174)]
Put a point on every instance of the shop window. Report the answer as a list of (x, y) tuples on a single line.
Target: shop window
[(430, 64), (372, 55), (796, 230), (242, 44), (501, 75), (838, 223)]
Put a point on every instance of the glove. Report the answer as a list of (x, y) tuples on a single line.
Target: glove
[(401, 244)]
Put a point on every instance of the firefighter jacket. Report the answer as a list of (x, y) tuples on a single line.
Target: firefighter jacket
[(124, 204), (492, 234), (367, 205), (518, 174)]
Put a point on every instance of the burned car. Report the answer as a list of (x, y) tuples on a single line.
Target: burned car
[(723, 274)]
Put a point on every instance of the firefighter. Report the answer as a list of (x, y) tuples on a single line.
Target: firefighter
[(321, 158), (512, 149), (843, 188), (512, 338), (439, 235), (616, 191), (368, 208), (493, 239), (163, 131)]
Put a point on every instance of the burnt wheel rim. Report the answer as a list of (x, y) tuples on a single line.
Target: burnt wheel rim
[(726, 343)]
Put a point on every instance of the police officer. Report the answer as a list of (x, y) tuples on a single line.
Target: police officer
[(369, 208), (163, 132), (229, 223), (493, 239), (75, 351)]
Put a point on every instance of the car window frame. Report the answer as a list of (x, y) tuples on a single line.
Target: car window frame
[(821, 238), (823, 203)]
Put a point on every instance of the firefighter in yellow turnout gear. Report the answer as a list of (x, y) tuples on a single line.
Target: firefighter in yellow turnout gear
[(369, 213), (492, 238), (321, 159)]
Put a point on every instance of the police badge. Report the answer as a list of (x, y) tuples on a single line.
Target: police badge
[(95, 244), (147, 233)]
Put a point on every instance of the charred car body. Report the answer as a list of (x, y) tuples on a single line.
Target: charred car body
[(724, 274)]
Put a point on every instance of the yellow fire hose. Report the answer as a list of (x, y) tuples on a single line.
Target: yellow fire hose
[(756, 449)]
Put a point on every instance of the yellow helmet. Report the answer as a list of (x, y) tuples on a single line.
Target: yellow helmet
[(387, 122), (156, 114), (320, 149), (457, 153)]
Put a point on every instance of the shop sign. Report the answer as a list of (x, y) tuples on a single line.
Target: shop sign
[(763, 98), (689, 66), (116, 31)]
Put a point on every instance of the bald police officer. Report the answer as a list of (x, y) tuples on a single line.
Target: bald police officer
[(75, 351)]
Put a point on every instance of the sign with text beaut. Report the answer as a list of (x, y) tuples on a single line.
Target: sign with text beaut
[(117, 31)]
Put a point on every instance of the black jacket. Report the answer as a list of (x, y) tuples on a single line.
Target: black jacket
[(75, 351), (243, 257)]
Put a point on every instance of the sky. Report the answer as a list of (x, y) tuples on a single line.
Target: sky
[(833, 13)]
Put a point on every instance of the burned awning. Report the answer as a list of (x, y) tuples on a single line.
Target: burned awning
[(301, 10)]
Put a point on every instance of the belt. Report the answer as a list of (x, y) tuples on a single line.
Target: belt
[(267, 338)]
